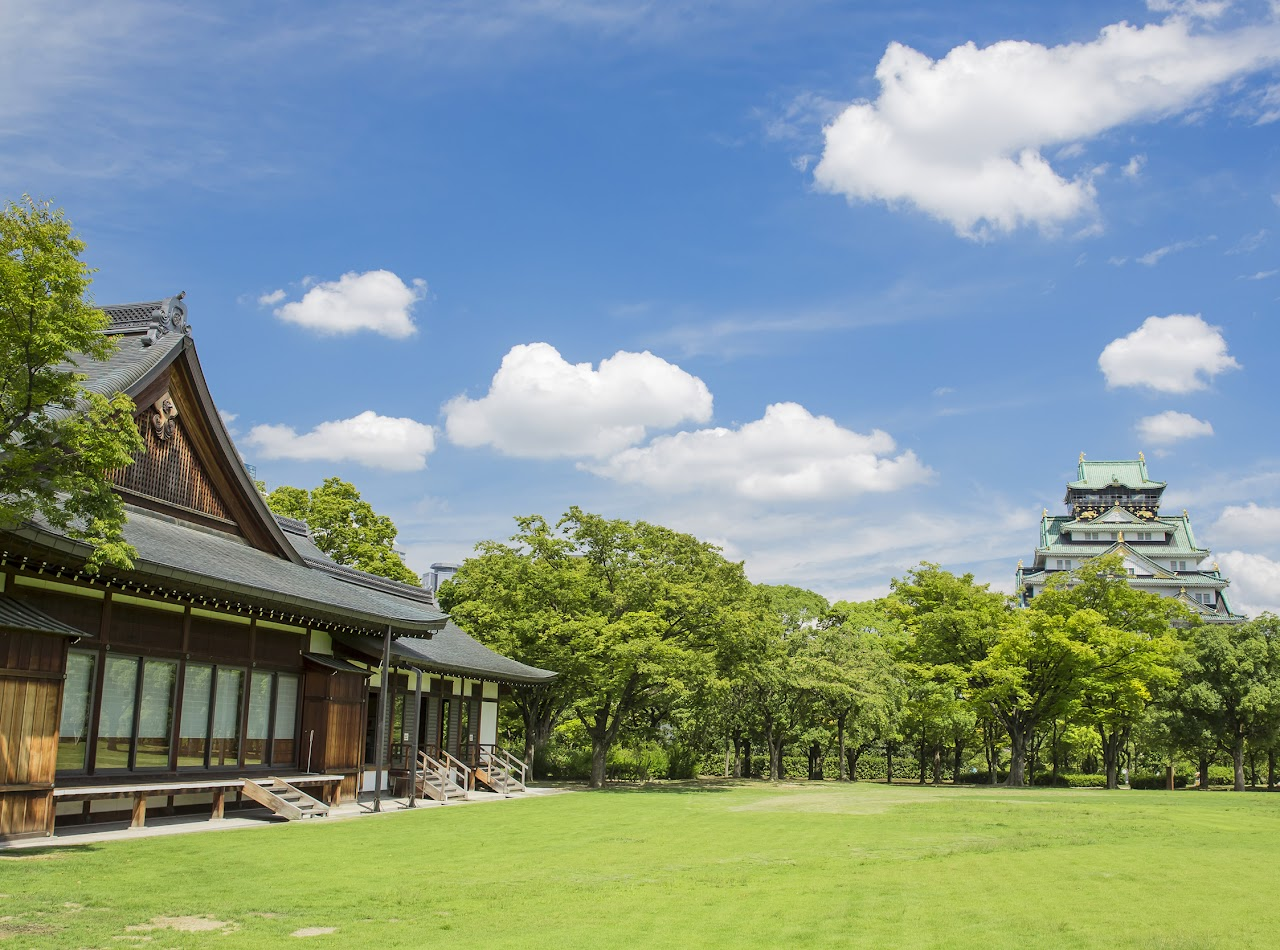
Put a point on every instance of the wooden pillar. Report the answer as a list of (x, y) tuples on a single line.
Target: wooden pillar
[(380, 734), (417, 737)]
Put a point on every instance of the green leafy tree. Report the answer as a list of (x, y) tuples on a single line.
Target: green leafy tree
[(1231, 688), (638, 616), (345, 527), (515, 598), (58, 441), (858, 678), (1134, 649)]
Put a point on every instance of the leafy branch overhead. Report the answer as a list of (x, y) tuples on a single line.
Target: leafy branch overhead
[(345, 527), (58, 441)]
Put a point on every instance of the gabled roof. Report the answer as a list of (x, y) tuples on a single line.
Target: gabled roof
[(176, 555), (1127, 473), (1181, 543), (451, 652), (1117, 516)]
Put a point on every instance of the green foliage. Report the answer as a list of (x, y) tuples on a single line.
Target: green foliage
[(345, 527), (635, 618), (1153, 781), (57, 440), (1085, 780)]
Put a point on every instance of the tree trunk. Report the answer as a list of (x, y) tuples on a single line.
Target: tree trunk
[(853, 756), (728, 755), (1112, 745), (1271, 770), (599, 758), (937, 765), (1203, 784), (1237, 759), (955, 768), (1019, 741), (888, 763), (844, 775), (923, 766), (746, 759)]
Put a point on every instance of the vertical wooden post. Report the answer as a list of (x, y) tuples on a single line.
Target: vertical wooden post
[(139, 810), (219, 803), (380, 734), (417, 737)]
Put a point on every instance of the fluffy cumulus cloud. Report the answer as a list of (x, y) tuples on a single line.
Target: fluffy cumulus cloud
[(789, 454), (1247, 525), (1255, 582), (1174, 354), (961, 137), (539, 405), (397, 445), (376, 300), (1169, 427)]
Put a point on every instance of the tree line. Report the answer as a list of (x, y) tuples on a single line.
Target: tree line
[(661, 641)]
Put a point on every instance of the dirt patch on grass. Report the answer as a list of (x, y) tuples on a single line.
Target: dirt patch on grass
[(201, 923), (313, 931)]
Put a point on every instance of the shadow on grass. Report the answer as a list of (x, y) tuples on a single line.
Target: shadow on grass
[(678, 787), (11, 852)]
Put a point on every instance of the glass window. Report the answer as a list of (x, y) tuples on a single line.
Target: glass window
[(155, 715), (224, 748), (197, 696), (115, 720), (77, 707), (259, 731), (284, 747)]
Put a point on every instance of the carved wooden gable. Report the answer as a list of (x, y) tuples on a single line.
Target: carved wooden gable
[(168, 469)]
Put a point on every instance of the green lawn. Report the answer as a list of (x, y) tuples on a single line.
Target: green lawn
[(691, 865)]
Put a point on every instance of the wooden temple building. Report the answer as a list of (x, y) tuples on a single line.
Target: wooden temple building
[(235, 661)]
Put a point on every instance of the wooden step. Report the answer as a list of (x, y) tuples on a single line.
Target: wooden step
[(285, 800)]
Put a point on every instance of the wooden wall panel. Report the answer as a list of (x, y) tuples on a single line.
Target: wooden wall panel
[(168, 470), (221, 642), (30, 709), (83, 613), (136, 627), (277, 648)]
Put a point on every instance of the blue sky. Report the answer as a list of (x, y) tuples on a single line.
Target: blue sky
[(839, 289)]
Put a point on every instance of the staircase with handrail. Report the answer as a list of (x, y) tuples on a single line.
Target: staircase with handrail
[(501, 771), (443, 778)]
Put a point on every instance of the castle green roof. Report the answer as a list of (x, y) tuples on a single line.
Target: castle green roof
[(1128, 473)]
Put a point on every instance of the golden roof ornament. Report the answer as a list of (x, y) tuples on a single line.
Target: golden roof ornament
[(1119, 535), (1044, 513), (1215, 567), (1019, 563), (1082, 456), (1141, 457), (1184, 513)]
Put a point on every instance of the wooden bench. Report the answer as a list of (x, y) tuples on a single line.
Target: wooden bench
[(219, 787)]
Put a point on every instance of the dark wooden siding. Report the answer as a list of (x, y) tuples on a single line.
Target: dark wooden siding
[(31, 669), (333, 707)]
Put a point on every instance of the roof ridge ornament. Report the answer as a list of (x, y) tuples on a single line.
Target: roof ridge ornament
[(170, 315)]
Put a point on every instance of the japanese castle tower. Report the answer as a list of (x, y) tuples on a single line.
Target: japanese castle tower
[(1115, 507)]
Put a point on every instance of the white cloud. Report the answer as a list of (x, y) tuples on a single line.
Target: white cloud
[(1259, 275), (787, 455), (1170, 426), (271, 299), (1250, 524), (1250, 242), (1171, 354), (1151, 258), (1134, 166), (1255, 582), (541, 406), (376, 300), (961, 137), (397, 445)]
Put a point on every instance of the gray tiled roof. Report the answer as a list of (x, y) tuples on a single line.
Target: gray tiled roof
[(18, 615), (451, 651), (298, 535), (170, 550)]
